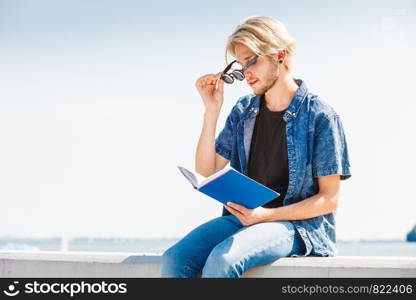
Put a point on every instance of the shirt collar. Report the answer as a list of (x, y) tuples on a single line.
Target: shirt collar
[(293, 108)]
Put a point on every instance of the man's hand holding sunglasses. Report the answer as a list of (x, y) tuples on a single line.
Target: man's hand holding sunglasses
[(211, 89)]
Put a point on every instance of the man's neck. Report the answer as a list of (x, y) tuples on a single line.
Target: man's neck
[(279, 96)]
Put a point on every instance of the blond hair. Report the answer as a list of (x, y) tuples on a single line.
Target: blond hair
[(264, 36)]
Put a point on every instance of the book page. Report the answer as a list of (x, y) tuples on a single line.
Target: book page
[(200, 178), (214, 176), (194, 178)]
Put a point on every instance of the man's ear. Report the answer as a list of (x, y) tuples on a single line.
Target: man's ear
[(281, 56)]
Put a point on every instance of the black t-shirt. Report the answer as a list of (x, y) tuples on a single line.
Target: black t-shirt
[(268, 163)]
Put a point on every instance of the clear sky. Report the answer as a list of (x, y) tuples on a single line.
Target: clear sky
[(98, 107)]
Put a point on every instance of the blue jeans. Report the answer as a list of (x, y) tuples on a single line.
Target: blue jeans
[(224, 247)]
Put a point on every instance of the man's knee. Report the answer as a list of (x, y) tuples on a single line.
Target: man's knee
[(170, 262), (175, 262), (168, 256), (221, 264)]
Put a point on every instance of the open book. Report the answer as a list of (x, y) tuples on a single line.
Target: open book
[(230, 185)]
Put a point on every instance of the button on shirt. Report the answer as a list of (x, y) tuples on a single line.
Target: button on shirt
[(316, 146)]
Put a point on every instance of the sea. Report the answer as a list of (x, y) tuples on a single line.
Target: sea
[(158, 246)]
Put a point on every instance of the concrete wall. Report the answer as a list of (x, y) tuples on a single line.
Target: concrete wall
[(37, 264)]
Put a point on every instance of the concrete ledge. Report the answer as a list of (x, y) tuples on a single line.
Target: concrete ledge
[(15, 264)]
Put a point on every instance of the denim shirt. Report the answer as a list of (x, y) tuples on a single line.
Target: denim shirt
[(316, 146)]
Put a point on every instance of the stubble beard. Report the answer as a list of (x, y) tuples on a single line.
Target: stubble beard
[(272, 76)]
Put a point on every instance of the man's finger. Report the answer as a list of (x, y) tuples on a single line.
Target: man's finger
[(234, 211), (220, 85), (236, 206)]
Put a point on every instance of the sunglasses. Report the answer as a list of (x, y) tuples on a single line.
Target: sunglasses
[(237, 73)]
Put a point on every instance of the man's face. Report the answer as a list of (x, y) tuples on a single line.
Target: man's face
[(260, 76)]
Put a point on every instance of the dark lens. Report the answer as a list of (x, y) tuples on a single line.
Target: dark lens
[(227, 78), (238, 74)]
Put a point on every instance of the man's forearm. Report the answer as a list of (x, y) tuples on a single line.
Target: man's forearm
[(205, 151), (311, 207)]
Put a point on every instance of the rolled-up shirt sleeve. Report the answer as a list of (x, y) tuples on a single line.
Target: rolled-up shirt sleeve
[(224, 141), (330, 155)]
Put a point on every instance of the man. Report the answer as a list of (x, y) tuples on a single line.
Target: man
[(282, 136)]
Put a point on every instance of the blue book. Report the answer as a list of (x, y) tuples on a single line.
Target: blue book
[(230, 185)]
